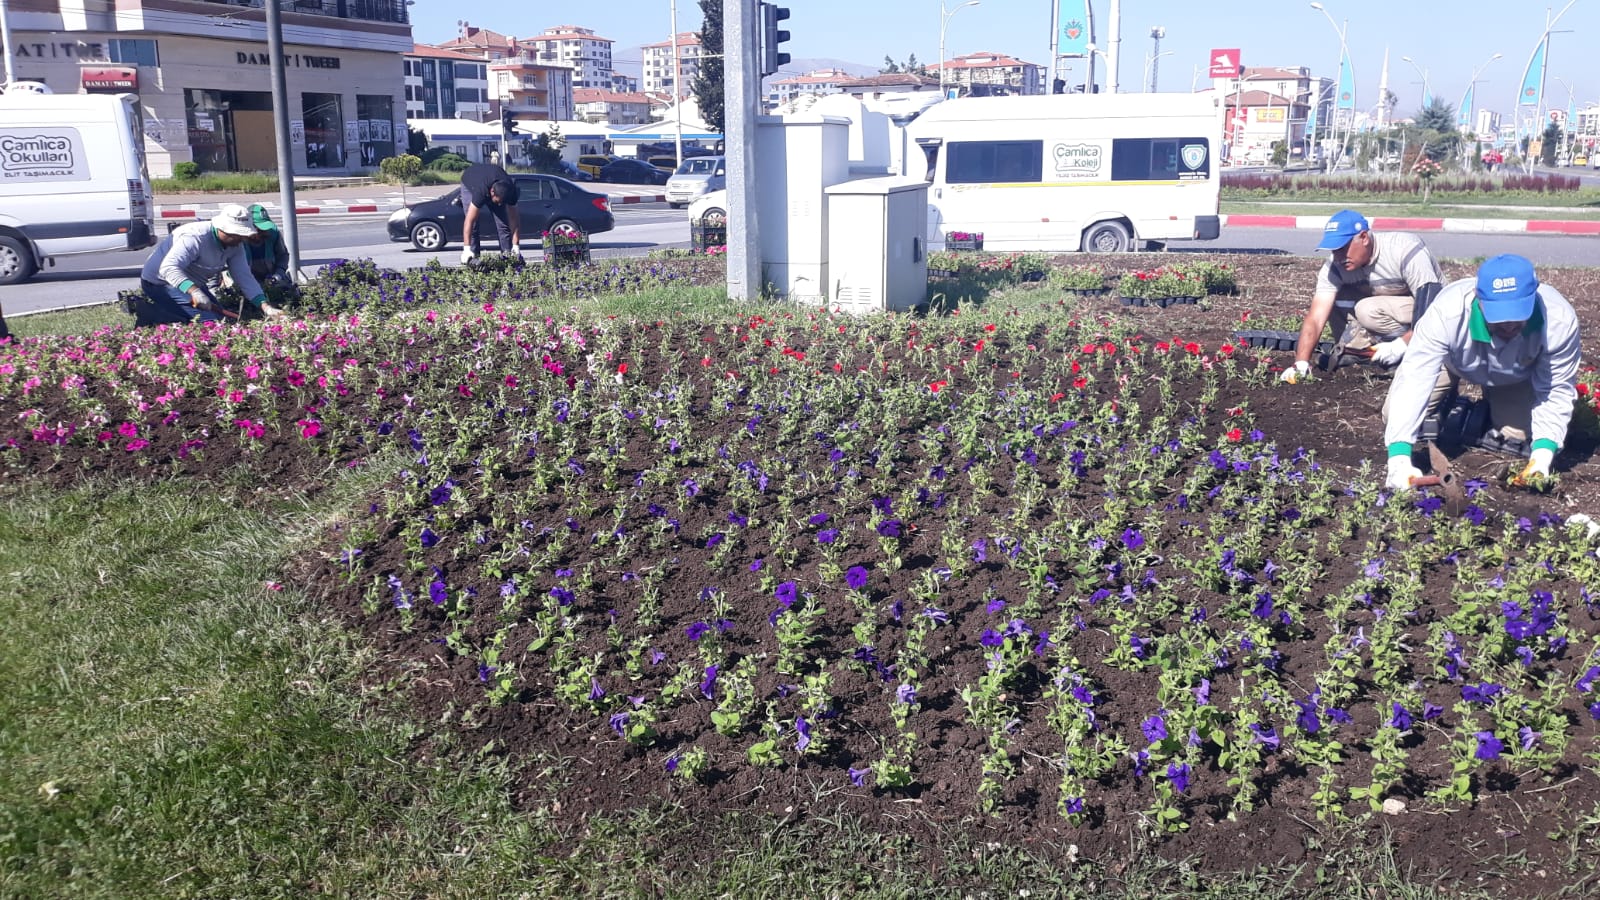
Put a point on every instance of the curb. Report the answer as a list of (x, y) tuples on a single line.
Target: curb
[(1458, 226), (339, 208)]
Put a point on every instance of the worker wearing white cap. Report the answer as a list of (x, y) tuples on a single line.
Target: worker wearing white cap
[(176, 275)]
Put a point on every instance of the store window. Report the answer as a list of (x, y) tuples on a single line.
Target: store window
[(324, 118), (375, 126), (207, 120), (133, 52)]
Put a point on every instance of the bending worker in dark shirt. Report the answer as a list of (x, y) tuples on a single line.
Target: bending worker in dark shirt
[(485, 185)]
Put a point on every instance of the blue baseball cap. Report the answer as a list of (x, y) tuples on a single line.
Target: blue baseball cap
[(1507, 288), (1342, 228)]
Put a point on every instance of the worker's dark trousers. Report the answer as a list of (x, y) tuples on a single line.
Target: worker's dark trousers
[(502, 223)]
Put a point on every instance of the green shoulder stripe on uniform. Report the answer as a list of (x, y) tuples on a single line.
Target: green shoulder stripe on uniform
[(1478, 327)]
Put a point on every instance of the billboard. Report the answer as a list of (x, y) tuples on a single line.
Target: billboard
[(1225, 63)]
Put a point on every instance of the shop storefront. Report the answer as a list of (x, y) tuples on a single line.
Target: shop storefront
[(209, 101)]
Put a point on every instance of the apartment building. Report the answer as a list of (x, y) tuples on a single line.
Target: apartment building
[(530, 90), (992, 73), (203, 75), (822, 81), (482, 43), (580, 49), (444, 84), (611, 107), (658, 72)]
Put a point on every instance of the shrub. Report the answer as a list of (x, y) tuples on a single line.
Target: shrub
[(449, 162), (186, 171), (403, 168)]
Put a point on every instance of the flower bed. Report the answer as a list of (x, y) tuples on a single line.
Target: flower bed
[(1022, 568)]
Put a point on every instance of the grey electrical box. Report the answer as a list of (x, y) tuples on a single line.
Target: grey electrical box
[(878, 244)]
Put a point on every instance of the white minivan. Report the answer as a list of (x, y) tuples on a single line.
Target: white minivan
[(72, 179), (1067, 172)]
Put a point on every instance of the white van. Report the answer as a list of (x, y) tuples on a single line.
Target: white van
[(1066, 172), (72, 179)]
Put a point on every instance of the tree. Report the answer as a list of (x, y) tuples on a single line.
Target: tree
[(708, 84), (416, 141), (909, 67), (1550, 142), (1437, 116)]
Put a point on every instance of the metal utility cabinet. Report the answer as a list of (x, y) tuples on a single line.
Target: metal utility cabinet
[(877, 244)]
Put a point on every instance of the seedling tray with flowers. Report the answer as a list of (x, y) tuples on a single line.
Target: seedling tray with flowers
[(1024, 569)]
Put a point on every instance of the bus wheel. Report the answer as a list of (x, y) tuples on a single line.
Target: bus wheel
[(16, 260), (1107, 237)]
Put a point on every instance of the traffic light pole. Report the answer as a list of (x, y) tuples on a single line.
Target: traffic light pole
[(741, 48), (280, 124)]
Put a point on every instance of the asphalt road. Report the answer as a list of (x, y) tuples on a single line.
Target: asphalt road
[(642, 227)]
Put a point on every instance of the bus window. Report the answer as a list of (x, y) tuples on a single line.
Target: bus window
[(1159, 159), (992, 162)]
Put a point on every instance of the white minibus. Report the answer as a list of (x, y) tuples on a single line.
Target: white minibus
[(72, 179), (1100, 173)]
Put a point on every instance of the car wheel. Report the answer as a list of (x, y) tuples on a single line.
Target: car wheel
[(428, 236), (714, 217), (16, 260), (565, 228), (1107, 237)]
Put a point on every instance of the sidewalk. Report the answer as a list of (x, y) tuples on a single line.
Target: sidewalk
[(1459, 225), (359, 200)]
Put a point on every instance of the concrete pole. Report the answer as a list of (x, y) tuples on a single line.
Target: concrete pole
[(1116, 46), (5, 43), (677, 84), (1055, 44), (741, 53), (280, 125)]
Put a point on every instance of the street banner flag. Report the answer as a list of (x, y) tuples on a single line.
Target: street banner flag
[(1075, 30), (1464, 113), (1533, 79), (1225, 63), (1427, 98), (1346, 98), (1311, 119)]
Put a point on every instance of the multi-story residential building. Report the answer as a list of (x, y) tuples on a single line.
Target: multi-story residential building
[(610, 107), (995, 72), (1270, 105), (624, 84), (205, 82), (822, 81), (658, 74), (530, 90), (580, 49), (482, 43), (444, 84)]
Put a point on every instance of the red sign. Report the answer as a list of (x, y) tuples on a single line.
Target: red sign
[(110, 78), (1225, 63)]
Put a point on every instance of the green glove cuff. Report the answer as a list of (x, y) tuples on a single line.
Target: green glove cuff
[(258, 300), (186, 286), (1547, 444), (1400, 448)]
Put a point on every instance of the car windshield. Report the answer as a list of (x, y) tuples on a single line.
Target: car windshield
[(703, 165)]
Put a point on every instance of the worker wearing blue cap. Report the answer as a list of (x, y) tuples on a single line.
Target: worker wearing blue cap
[(1384, 280), (1506, 332)]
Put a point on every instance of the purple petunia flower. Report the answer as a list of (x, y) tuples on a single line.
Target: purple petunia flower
[(428, 537), (890, 528), (906, 694), (1132, 539), (1399, 718), (1178, 774), (1202, 692), (1489, 746), (827, 535), (804, 730), (619, 721), (1074, 805), (1155, 727), (436, 593), (1308, 719), (856, 578), (1528, 736), (596, 692), (936, 615), (787, 593), (858, 777), (818, 519), (1480, 693), (991, 638), (995, 606), (671, 765), (696, 631), (1266, 735), (980, 550), (708, 684), (1138, 645), (1263, 605)]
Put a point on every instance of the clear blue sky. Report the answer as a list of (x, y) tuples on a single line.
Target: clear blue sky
[(1448, 38)]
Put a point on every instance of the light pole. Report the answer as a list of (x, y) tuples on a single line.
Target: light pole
[(1466, 99), (1427, 95), (1092, 51), (944, 20), (1344, 63), (1156, 34), (5, 44), (1567, 137)]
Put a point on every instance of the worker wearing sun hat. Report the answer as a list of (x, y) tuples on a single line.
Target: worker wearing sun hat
[(1384, 280), (269, 256), (175, 276), (1510, 334)]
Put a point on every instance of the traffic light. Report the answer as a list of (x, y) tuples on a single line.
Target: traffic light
[(771, 59), (508, 122)]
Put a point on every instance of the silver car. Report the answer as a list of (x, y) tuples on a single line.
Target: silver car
[(696, 177)]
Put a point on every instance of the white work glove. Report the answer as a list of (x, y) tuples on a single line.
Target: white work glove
[(515, 254), (199, 301), (1389, 353), (1401, 471), (272, 312), (1538, 464), (467, 255), (1296, 373)]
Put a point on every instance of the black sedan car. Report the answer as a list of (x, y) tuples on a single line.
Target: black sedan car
[(547, 203), (631, 171)]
